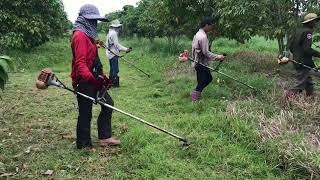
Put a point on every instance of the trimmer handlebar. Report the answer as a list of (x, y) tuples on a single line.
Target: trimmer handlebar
[(285, 60)]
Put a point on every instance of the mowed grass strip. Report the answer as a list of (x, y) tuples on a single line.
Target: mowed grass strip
[(38, 127)]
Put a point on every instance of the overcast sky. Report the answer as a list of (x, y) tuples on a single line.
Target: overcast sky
[(105, 6)]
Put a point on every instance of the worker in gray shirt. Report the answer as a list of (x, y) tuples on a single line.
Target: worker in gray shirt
[(113, 50), (202, 55)]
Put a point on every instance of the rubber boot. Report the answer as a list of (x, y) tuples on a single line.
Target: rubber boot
[(292, 93), (195, 96), (115, 82), (309, 91)]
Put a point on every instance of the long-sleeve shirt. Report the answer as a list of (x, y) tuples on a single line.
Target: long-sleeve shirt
[(200, 48), (113, 44), (84, 53), (300, 46)]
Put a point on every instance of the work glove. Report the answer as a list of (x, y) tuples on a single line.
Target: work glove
[(129, 50), (107, 82), (220, 57), (97, 82)]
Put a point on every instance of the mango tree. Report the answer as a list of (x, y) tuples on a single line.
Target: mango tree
[(30, 23), (5, 65)]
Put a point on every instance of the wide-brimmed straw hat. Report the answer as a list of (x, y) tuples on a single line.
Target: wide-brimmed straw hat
[(310, 17), (115, 23)]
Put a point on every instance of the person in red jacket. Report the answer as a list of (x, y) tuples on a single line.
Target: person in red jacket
[(88, 78)]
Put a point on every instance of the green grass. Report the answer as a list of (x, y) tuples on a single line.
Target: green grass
[(38, 127), (55, 54)]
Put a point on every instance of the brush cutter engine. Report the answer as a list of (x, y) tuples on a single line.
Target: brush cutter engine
[(283, 60), (47, 78), (184, 56), (43, 78)]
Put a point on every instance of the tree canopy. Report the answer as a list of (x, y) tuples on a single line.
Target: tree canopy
[(236, 19), (29, 23)]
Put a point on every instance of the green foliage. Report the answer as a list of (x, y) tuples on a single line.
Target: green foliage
[(129, 16), (151, 23), (55, 54), (103, 27), (29, 23), (238, 20), (5, 65)]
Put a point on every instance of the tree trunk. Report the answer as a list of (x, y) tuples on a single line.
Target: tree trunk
[(296, 9), (280, 45), (170, 43)]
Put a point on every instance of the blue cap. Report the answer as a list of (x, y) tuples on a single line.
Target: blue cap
[(90, 11)]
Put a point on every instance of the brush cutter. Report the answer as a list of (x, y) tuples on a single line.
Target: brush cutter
[(285, 60), (47, 78), (101, 44), (185, 56)]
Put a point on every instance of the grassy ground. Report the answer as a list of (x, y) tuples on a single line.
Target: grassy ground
[(235, 133)]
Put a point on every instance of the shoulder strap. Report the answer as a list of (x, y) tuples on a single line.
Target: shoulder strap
[(97, 67)]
